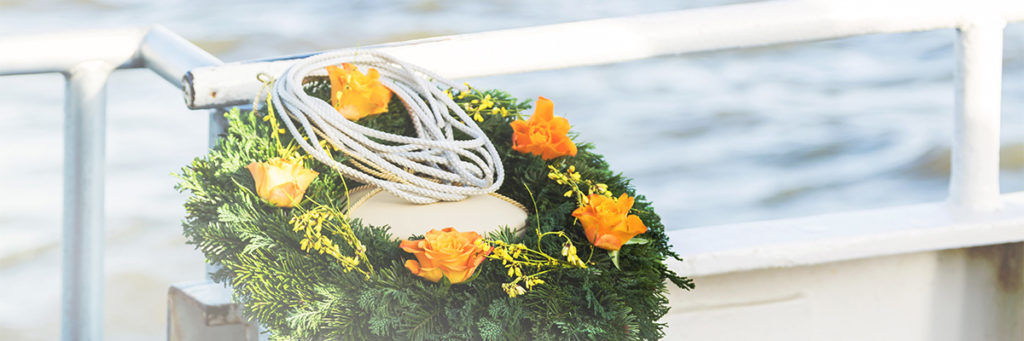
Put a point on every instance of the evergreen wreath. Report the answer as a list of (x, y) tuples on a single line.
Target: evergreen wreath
[(309, 273)]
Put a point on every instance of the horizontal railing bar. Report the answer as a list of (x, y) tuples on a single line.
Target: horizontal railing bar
[(60, 52), (630, 38), (157, 48), (169, 55), (713, 250)]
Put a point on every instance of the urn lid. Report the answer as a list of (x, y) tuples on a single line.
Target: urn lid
[(479, 213)]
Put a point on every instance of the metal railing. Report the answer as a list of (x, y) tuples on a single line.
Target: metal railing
[(208, 84), (96, 55)]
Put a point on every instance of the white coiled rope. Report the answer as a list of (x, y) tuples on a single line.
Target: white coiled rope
[(433, 166)]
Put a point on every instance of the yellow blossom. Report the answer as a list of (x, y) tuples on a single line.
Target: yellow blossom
[(446, 253), (606, 221), (356, 95), (282, 182)]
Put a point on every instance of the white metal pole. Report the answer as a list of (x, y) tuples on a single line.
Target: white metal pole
[(974, 178), (170, 55), (62, 51), (84, 142)]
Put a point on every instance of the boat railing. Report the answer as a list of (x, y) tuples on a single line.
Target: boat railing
[(974, 214)]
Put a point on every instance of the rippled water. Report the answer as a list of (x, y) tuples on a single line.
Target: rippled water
[(712, 138)]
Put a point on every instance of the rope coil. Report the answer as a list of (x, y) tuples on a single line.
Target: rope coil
[(431, 167)]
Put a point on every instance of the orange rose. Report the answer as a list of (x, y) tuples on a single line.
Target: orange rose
[(355, 95), (280, 181), (544, 133), (447, 253), (607, 222)]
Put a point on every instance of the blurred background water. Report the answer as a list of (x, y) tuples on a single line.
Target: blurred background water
[(712, 138)]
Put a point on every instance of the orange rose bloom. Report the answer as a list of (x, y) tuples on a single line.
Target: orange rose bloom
[(280, 181), (544, 133), (607, 222), (355, 95), (447, 253)]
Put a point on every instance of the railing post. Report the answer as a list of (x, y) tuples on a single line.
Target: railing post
[(218, 126), (974, 178), (84, 143)]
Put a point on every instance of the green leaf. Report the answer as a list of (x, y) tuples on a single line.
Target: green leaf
[(637, 241), (615, 258)]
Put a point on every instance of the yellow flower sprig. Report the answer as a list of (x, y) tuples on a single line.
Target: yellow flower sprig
[(312, 224), (576, 183), (481, 104), (291, 151), (517, 256), (268, 82), (605, 219)]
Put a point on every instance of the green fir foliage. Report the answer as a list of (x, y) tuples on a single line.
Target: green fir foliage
[(300, 295)]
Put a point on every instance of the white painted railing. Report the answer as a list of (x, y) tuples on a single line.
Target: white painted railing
[(975, 214), (86, 59)]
